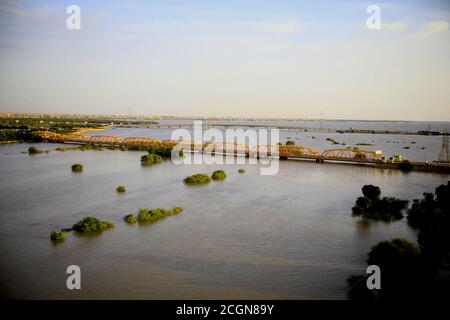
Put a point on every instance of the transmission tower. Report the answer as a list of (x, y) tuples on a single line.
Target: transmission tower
[(444, 154)]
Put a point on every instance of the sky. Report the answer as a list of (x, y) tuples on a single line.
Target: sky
[(248, 58)]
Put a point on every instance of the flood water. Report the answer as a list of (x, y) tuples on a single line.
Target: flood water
[(286, 236)]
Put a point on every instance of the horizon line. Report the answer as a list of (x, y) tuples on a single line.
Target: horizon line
[(202, 117)]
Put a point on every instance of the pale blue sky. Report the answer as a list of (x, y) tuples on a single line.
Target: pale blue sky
[(229, 58)]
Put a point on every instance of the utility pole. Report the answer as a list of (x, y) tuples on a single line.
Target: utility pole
[(444, 154)]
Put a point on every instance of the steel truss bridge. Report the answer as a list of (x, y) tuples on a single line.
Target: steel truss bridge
[(282, 151)]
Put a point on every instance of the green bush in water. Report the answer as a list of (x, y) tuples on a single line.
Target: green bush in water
[(121, 189), (371, 206), (219, 175), (177, 210), (199, 178), (150, 159), (129, 218), (151, 215), (91, 224), (57, 235), (290, 143), (34, 150), (77, 167), (162, 152)]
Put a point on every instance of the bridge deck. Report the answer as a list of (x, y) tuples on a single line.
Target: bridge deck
[(357, 156)]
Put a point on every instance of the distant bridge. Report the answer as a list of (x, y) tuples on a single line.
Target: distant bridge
[(264, 126)]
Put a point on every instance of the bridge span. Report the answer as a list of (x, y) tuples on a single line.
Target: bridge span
[(349, 155)]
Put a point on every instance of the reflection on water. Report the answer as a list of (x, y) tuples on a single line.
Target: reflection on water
[(290, 235)]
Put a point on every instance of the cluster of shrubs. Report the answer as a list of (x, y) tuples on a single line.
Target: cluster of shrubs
[(120, 189), (203, 178), (290, 143), (219, 175), (34, 150), (57, 235), (199, 178), (371, 206), (164, 152), (410, 270), (92, 224), (77, 167), (129, 218), (86, 225), (146, 215), (156, 155), (83, 147), (150, 159), (18, 133)]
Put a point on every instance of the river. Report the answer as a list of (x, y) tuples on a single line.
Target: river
[(285, 236)]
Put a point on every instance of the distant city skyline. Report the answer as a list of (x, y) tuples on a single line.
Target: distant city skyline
[(245, 59)]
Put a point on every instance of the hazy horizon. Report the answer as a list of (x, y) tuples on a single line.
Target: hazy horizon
[(277, 59), (215, 117)]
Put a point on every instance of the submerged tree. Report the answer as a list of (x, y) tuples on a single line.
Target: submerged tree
[(372, 207), (408, 270), (92, 224), (371, 192), (199, 178), (129, 218), (218, 175), (150, 159), (401, 270), (34, 150), (57, 235), (152, 215), (431, 217), (77, 167)]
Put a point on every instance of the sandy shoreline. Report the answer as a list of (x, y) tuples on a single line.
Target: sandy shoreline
[(86, 130)]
